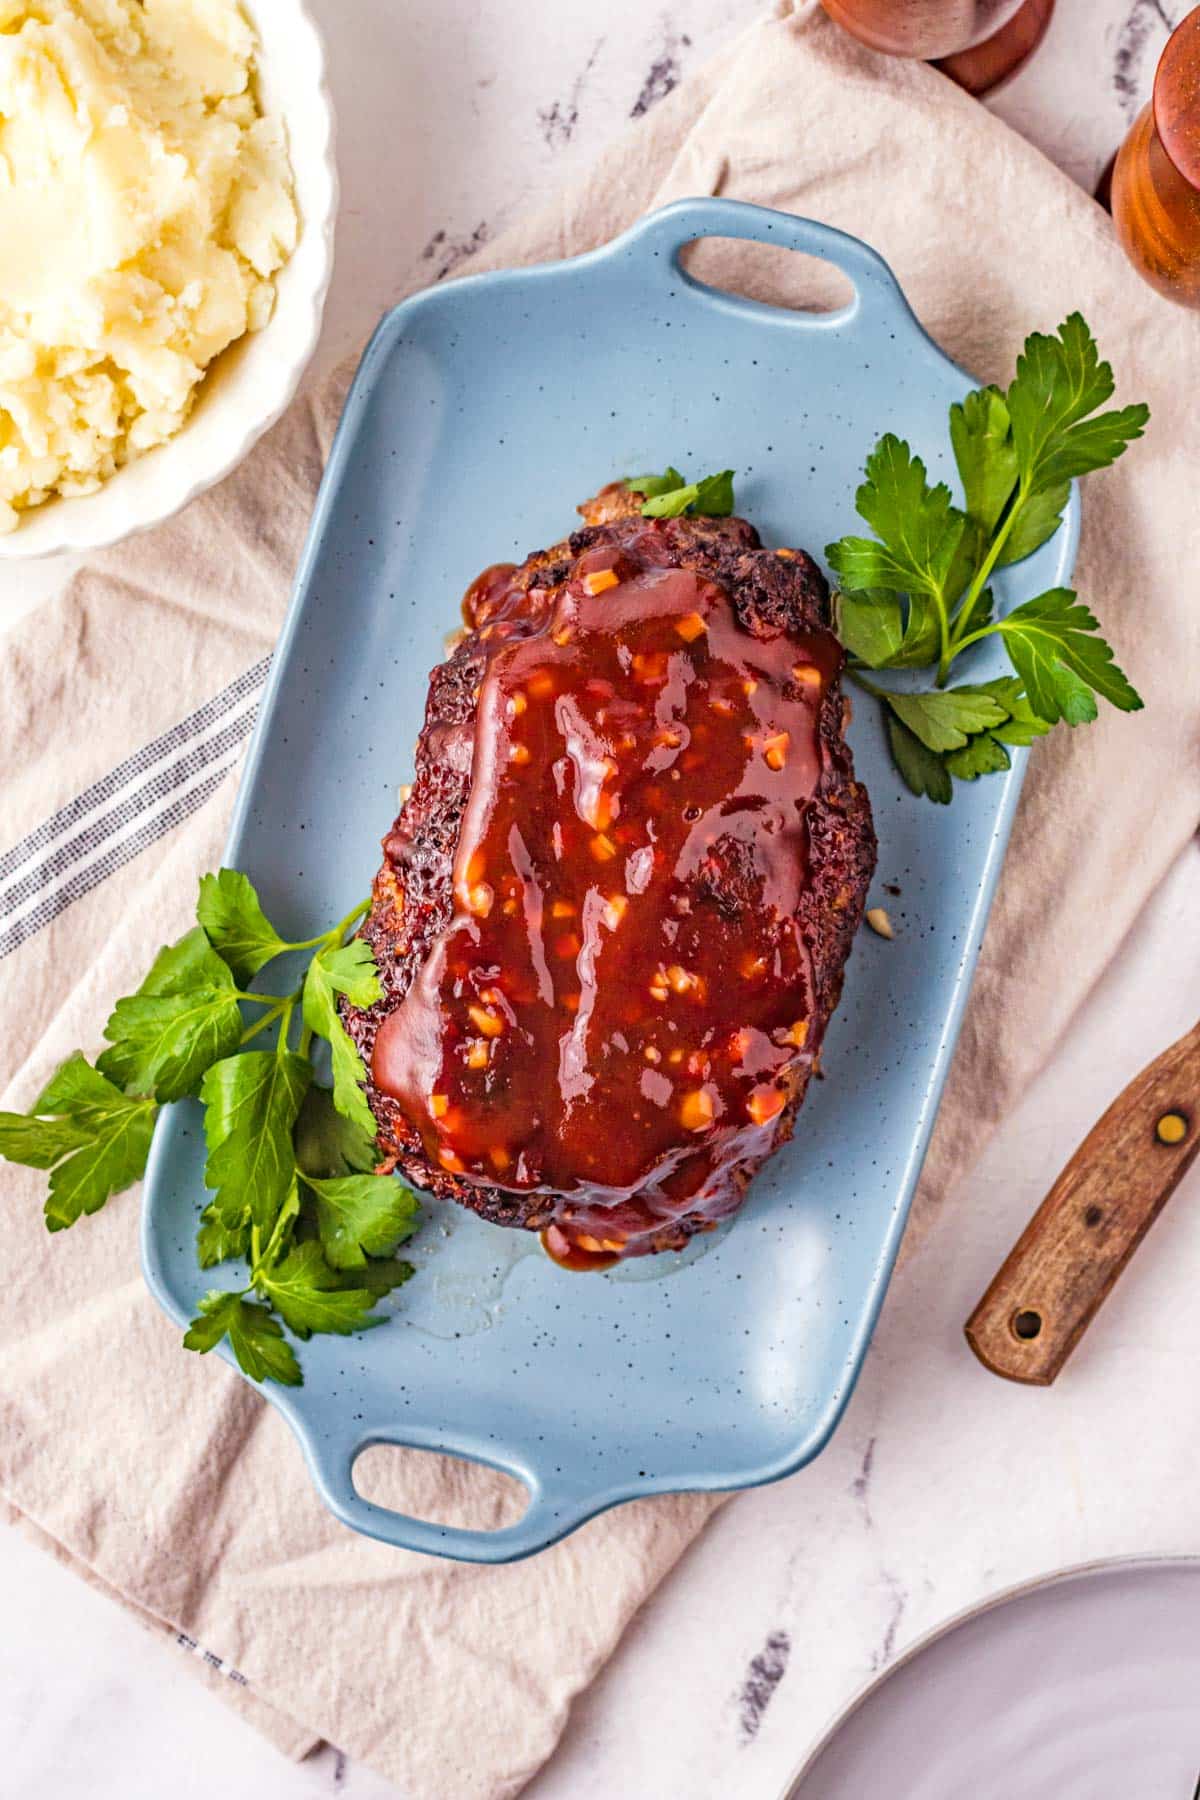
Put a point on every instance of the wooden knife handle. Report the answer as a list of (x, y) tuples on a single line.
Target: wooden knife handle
[(1063, 1265)]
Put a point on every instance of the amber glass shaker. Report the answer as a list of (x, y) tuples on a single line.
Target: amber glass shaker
[(1156, 181), (978, 43)]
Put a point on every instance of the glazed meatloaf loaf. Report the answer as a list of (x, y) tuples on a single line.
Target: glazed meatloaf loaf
[(614, 911)]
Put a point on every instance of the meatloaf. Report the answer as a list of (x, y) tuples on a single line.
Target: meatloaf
[(614, 911)]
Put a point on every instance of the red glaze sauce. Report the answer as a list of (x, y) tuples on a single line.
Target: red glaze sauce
[(619, 1009)]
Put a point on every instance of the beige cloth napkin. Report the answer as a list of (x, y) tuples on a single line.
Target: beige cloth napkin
[(166, 1478)]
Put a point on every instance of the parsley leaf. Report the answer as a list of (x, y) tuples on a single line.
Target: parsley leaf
[(381, 1275), (112, 1159), (989, 467), (217, 1242), (38, 1143), (351, 971), (251, 1102), (1036, 520), (921, 634), (870, 625), (77, 1091), (918, 526), (329, 1144), (714, 495), (981, 433), (650, 486), (1054, 648), (957, 732), (309, 1297), (183, 1017), (923, 770), (711, 496), (1022, 724), (876, 628), (93, 1138), (1060, 381), (672, 505), (254, 1333), (362, 1215), (982, 755), (235, 924), (945, 719), (190, 963)]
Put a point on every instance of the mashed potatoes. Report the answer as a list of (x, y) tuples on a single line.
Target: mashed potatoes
[(145, 204)]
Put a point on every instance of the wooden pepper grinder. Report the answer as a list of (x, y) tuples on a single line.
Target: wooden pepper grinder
[(978, 43), (1156, 178)]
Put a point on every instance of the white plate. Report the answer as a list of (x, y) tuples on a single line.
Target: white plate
[(247, 388), (1084, 1687)]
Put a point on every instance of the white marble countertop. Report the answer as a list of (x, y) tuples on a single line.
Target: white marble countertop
[(943, 1485)]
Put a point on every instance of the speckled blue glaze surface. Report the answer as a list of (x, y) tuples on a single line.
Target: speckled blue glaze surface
[(483, 411)]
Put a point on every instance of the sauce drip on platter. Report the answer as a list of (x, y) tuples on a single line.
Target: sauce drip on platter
[(620, 1007)]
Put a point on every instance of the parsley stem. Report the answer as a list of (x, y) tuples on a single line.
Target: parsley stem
[(280, 1004), (306, 1038), (285, 1025), (268, 1255), (868, 687), (944, 651), (266, 999), (986, 568), (260, 1024), (984, 631), (358, 912), (337, 932)]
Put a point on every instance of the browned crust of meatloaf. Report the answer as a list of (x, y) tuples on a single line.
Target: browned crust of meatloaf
[(412, 901)]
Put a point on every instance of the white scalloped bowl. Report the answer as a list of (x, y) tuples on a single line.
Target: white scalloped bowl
[(246, 389)]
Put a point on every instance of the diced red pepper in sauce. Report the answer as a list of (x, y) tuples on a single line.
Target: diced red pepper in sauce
[(625, 1034)]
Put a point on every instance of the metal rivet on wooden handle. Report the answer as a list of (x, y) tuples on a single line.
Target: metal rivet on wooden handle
[(1067, 1259)]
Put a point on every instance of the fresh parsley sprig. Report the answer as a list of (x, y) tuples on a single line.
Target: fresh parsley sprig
[(917, 594), (290, 1169), (669, 496)]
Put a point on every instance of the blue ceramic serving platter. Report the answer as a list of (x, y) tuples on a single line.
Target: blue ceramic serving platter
[(483, 411)]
